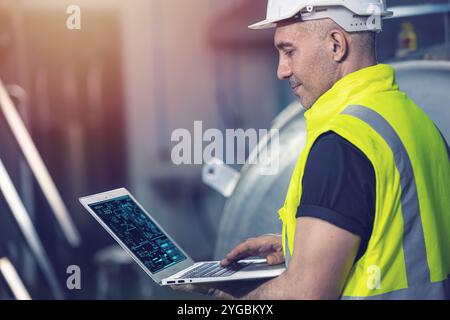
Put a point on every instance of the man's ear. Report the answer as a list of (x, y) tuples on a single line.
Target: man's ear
[(338, 45)]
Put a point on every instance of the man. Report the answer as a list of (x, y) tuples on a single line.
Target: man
[(367, 213)]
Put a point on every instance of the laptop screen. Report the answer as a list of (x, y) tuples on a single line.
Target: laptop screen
[(138, 232)]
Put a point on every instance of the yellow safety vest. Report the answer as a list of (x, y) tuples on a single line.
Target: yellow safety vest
[(408, 253)]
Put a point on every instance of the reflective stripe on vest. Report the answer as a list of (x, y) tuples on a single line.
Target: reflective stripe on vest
[(416, 264), (417, 270)]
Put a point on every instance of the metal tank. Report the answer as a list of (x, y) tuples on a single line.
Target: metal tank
[(251, 209)]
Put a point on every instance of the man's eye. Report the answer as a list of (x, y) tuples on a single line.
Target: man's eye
[(289, 53)]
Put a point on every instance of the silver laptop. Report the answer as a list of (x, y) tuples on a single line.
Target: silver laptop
[(156, 252)]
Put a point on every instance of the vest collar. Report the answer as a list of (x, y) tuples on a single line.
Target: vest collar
[(372, 79)]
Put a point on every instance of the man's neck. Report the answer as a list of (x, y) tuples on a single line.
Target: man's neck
[(354, 66)]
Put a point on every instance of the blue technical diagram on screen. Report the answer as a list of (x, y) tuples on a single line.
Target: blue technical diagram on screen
[(123, 216)]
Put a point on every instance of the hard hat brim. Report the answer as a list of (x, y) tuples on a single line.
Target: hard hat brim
[(265, 24)]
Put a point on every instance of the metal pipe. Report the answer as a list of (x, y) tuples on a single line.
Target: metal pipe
[(26, 227), (418, 10), (13, 279), (38, 167)]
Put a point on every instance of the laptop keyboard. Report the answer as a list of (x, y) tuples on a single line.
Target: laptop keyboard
[(213, 270)]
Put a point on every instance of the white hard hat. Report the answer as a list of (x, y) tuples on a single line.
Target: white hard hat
[(351, 15)]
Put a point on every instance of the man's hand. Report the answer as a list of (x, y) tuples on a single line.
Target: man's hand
[(268, 246), (222, 290), (322, 260)]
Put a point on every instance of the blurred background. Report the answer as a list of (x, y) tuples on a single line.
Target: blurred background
[(100, 105)]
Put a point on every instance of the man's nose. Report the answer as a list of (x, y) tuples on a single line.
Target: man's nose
[(284, 71)]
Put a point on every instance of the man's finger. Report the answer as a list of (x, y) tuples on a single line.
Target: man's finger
[(275, 258), (261, 246), (243, 250)]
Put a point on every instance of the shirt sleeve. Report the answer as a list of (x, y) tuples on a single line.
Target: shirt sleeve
[(339, 187)]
